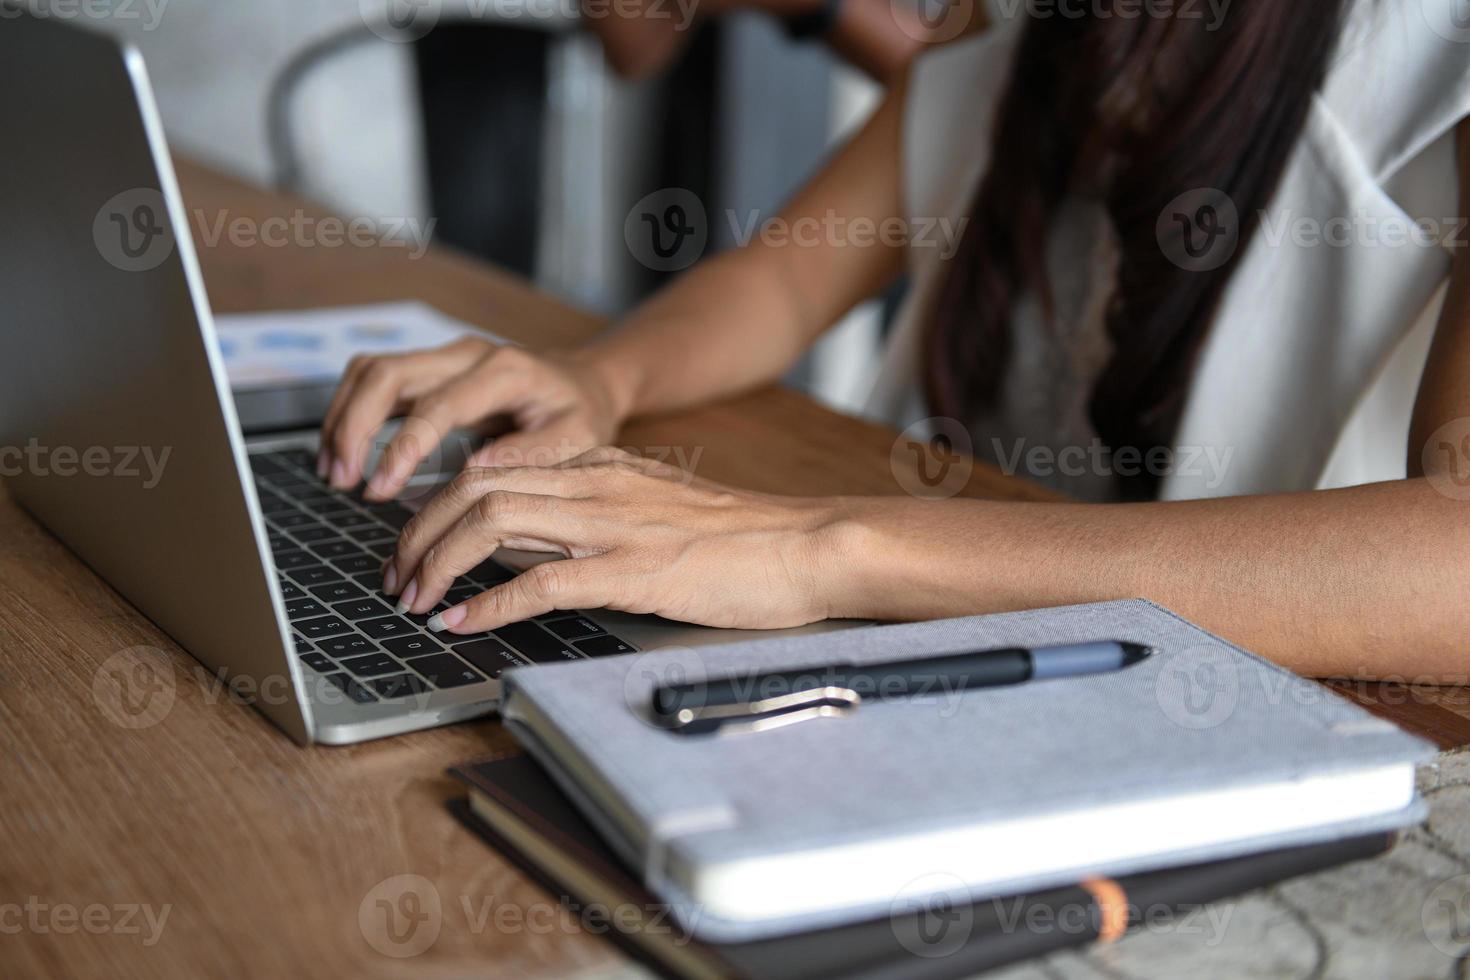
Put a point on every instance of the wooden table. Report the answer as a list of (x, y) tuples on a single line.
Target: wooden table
[(261, 853)]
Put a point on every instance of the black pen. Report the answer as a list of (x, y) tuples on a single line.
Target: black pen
[(766, 700)]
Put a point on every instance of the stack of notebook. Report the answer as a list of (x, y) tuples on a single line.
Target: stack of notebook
[(929, 835)]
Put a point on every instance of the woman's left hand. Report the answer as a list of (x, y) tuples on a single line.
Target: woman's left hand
[(638, 536)]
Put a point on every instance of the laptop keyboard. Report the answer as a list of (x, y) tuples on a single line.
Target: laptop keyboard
[(329, 549)]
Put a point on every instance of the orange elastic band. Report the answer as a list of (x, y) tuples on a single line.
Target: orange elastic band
[(1112, 906)]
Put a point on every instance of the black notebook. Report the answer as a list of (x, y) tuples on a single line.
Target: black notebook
[(518, 809)]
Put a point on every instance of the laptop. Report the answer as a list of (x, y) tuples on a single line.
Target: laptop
[(115, 403)]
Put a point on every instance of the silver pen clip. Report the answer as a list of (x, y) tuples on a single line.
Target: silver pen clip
[(766, 713)]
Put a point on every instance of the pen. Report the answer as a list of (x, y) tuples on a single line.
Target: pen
[(783, 697)]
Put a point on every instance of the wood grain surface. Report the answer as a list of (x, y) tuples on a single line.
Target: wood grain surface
[(153, 827)]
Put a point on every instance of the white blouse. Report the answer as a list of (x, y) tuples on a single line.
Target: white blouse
[(1308, 376)]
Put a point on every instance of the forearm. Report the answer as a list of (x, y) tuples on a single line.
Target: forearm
[(726, 326), (1365, 582), (742, 318)]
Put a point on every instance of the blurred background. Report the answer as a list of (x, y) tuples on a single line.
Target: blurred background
[(506, 123)]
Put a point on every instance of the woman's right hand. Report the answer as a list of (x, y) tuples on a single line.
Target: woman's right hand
[(557, 405)]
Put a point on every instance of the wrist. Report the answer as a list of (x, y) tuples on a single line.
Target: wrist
[(839, 553), (614, 383)]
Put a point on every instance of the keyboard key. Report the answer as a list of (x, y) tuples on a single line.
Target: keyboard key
[(360, 563), (394, 515), (372, 581), (421, 620), (444, 670), (490, 573), (318, 663), (364, 608), (272, 504), (575, 628), (289, 590), (398, 686), (535, 644), (603, 646), (301, 645), (412, 646), (370, 533), (347, 645), (313, 533), (321, 628), (292, 482), (324, 506), (491, 656), (373, 665), (294, 519), (316, 575), (337, 548), (298, 457), (292, 559), (388, 627), (278, 541), (337, 592), (351, 518), (381, 549), (305, 608), (352, 689), (462, 593), (263, 463)]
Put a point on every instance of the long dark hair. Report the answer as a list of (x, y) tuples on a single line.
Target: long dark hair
[(1132, 112)]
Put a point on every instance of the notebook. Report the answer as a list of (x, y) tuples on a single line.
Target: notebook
[(514, 806), (1202, 752)]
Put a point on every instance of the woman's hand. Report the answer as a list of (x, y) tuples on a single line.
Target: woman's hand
[(639, 536), (558, 405)]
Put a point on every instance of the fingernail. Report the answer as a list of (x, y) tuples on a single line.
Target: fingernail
[(390, 580), (448, 619), (339, 473), (410, 593), (323, 464), (379, 484)]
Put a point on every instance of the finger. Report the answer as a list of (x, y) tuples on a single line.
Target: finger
[(501, 518), (377, 395), (549, 445), (340, 399), (454, 501), (481, 391), (577, 583), (445, 359), (427, 425)]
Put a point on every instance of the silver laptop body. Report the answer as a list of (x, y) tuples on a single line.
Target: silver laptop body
[(117, 416)]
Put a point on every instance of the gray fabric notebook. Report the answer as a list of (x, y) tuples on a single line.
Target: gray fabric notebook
[(1200, 752)]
